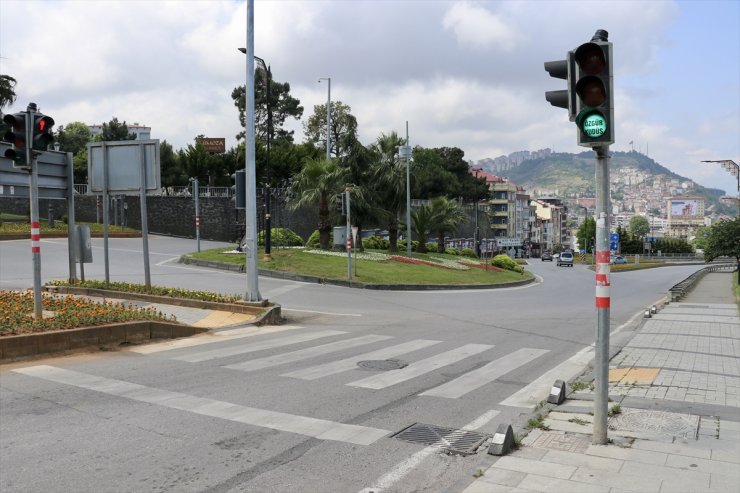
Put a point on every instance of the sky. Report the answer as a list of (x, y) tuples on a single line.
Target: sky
[(465, 74)]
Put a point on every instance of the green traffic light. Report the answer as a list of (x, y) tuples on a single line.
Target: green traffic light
[(592, 123)]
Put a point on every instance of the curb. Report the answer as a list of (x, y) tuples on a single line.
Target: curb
[(351, 284), (24, 346)]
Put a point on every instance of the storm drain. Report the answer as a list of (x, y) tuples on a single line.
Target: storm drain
[(382, 364), (455, 441)]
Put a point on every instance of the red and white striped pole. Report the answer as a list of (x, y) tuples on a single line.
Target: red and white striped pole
[(35, 237), (603, 285)]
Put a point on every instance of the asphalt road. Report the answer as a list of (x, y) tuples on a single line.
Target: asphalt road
[(286, 409)]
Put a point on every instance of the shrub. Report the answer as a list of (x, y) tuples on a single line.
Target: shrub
[(313, 240), (376, 243), (282, 237), (468, 252), (451, 251), (402, 245), (432, 247), (505, 262)]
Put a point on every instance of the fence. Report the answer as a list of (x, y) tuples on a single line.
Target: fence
[(682, 288)]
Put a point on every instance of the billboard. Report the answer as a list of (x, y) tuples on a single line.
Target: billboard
[(685, 208)]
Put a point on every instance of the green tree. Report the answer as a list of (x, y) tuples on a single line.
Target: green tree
[(115, 131), (358, 162), (586, 234), (318, 184), (172, 172), (196, 161), (639, 226), (343, 128), (7, 91), (282, 105), (389, 176), (448, 216), (723, 241), (702, 238), (74, 138), (423, 219)]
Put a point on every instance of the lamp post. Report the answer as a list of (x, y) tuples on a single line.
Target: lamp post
[(476, 238), (405, 151), (268, 193), (252, 293), (328, 116)]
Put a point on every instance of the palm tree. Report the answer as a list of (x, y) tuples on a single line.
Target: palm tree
[(319, 183), (448, 216), (389, 175), (422, 221)]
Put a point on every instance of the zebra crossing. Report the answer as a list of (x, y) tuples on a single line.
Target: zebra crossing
[(453, 389), (242, 343)]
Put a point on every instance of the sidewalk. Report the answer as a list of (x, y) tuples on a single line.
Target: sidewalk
[(674, 423)]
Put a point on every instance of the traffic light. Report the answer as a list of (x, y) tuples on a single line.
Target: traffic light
[(42, 136), (340, 204), (17, 136), (239, 190), (592, 83), (563, 98)]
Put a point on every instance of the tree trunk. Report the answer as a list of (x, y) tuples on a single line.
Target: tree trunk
[(393, 239), (441, 242)]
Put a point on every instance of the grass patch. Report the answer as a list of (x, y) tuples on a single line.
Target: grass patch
[(372, 270), (9, 226), (578, 385), (616, 409), (127, 287), (537, 422), (578, 421)]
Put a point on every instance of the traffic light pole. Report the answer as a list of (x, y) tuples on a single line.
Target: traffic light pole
[(34, 206), (603, 297)]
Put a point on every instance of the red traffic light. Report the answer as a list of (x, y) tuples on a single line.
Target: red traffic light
[(42, 136), (590, 58)]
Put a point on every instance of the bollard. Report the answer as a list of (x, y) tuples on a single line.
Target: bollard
[(502, 440), (557, 393)]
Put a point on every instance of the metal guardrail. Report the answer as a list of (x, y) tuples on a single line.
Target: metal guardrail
[(682, 288)]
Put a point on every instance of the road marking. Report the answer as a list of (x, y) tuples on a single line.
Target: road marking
[(486, 374), (257, 346), (281, 359), (418, 368), (303, 425), (401, 469), (334, 367), (211, 337), (538, 390)]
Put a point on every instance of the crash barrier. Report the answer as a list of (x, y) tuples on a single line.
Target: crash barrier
[(682, 288)]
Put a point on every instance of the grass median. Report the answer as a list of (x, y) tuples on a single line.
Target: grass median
[(374, 267)]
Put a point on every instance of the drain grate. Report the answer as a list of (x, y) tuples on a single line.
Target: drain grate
[(453, 440), (382, 364)]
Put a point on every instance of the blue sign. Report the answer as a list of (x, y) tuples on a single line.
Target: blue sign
[(614, 237)]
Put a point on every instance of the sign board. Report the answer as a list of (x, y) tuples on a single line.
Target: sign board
[(52, 175), (508, 242), (213, 145), (124, 166)]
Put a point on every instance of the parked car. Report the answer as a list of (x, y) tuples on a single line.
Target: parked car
[(565, 258), (546, 256), (618, 259)]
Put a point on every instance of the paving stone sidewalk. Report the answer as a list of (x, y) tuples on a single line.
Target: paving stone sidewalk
[(674, 423)]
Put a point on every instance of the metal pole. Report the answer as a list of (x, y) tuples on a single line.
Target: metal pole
[(106, 213), (603, 296), (72, 238), (34, 206), (349, 237), (250, 237), (144, 224), (328, 119), (196, 193), (268, 219), (408, 192)]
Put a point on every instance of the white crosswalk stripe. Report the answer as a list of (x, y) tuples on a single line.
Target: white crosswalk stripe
[(333, 367), (318, 428), (301, 354), (486, 374), (418, 368), (255, 346)]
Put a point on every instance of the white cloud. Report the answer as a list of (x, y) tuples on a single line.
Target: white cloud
[(478, 27)]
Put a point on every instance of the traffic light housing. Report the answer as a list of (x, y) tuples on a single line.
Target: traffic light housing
[(239, 189), (563, 98), (42, 135), (592, 83), (340, 204), (17, 136)]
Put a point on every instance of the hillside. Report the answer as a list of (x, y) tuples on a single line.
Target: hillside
[(572, 175)]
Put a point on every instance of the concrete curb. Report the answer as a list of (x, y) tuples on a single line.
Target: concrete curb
[(24, 346), (352, 284), (266, 313)]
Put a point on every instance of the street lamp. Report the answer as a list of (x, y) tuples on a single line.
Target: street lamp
[(477, 230), (405, 152), (328, 117)]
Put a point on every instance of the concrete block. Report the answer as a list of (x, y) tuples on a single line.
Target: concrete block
[(81, 338), (529, 466), (557, 392), (12, 347), (502, 441), (52, 342), (535, 482), (631, 482)]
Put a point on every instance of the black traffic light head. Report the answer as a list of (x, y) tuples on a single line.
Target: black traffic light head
[(17, 136), (42, 136), (564, 98), (592, 83), (239, 189)]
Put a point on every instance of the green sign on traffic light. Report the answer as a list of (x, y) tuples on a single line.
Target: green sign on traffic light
[(592, 123)]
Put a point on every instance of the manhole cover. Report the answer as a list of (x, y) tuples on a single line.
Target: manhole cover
[(453, 440), (382, 364), (563, 441), (675, 424)]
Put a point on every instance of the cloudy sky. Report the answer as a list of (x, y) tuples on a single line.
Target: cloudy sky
[(465, 74)]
